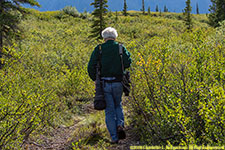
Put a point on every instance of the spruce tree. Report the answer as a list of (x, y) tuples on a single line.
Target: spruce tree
[(187, 13), (99, 21), (125, 8), (143, 6), (165, 9), (217, 14), (157, 8), (149, 10), (116, 19), (9, 19), (197, 9)]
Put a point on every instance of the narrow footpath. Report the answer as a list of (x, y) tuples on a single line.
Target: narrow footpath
[(63, 138)]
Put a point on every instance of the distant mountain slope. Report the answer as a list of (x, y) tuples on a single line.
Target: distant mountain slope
[(117, 5)]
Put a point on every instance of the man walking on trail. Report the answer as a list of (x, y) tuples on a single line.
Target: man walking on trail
[(111, 75)]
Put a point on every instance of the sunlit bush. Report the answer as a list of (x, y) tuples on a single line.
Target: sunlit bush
[(178, 95), (71, 11)]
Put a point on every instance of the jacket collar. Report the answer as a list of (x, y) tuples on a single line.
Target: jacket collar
[(110, 41)]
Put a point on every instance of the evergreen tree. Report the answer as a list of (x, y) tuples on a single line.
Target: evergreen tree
[(99, 21), (157, 8), (116, 19), (187, 13), (125, 8), (10, 16), (143, 6), (149, 10), (217, 14), (110, 14), (197, 9)]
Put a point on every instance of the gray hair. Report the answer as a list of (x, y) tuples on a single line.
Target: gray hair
[(109, 33)]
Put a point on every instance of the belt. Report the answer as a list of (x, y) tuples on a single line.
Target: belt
[(110, 79)]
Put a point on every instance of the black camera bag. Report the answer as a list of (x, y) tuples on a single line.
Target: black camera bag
[(99, 100)]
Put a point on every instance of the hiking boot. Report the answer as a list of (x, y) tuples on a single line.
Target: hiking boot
[(121, 133)]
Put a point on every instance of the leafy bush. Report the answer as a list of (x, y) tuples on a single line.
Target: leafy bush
[(27, 102), (43, 77), (71, 11), (178, 95), (84, 15)]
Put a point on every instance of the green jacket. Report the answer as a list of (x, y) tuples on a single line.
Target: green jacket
[(110, 60)]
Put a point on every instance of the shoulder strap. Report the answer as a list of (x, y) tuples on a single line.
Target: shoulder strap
[(121, 49), (100, 52), (100, 49), (99, 61), (121, 55)]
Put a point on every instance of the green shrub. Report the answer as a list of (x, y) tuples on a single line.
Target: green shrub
[(177, 94), (71, 11), (44, 77), (28, 102), (84, 15)]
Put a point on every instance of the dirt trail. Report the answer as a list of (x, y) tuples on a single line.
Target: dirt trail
[(57, 139), (61, 138)]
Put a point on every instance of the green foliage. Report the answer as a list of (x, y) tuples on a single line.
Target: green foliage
[(217, 14), (188, 17), (143, 6), (165, 9), (91, 134), (160, 12), (27, 103), (116, 18), (84, 15), (197, 9), (10, 16), (61, 15), (149, 10), (48, 15), (125, 8), (157, 8), (178, 88), (72, 11), (99, 21), (44, 76)]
